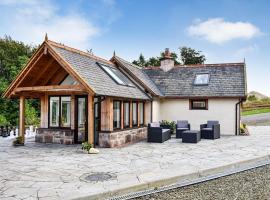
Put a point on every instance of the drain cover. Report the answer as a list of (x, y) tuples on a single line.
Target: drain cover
[(98, 177)]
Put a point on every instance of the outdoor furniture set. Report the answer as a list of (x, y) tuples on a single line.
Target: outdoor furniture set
[(157, 133)]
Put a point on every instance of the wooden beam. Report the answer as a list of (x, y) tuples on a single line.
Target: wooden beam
[(58, 77), (53, 72), (50, 88), (42, 71), (70, 69), (19, 78), (90, 119), (22, 117), (122, 114)]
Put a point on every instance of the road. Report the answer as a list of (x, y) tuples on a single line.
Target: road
[(257, 120)]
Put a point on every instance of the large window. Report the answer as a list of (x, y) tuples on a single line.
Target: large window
[(141, 113), (116, 114), (198, 104), (201, 79), (126, 114), (59, 113), (134, 113)]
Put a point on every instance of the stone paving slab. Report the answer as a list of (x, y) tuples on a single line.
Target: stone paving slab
[(50, 171)]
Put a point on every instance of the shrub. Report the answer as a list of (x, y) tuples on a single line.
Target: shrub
[(243, 129), (170, 125), (18, 141), (86, 146)]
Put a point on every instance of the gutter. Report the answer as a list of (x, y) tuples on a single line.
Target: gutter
[(237, 116)]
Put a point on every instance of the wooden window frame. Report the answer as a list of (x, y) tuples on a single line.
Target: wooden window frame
[(114, 128), (196, 108), (60, 112), (124, 114), (135, 102)]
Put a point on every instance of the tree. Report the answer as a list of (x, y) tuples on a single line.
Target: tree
[(190, 56), (252, 98), (140, 62), (13, 56)]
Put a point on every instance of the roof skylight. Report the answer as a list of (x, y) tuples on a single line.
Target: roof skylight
[(116, 75), (201, 79)]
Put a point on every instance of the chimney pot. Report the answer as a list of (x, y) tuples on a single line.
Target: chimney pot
[(167, 63)]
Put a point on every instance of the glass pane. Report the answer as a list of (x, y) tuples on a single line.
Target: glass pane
[(141, 111), (126, 114), (65, 111), (199, 104), (134, 114), (116, 114), (201, 79), (69, 81), (54, 111), (81, 119), (113, 75)]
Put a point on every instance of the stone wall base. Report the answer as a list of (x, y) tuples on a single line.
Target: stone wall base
[(57, 136), (121, 138)]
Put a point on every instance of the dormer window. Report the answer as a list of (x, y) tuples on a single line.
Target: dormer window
[(202, 79)]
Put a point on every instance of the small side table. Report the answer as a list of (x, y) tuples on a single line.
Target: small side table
[(191, 136)]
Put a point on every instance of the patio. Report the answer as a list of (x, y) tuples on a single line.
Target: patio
[(51, 171)]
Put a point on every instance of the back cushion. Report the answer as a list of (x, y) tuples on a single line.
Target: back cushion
[(211, 123), (182, 124), (155, 124)]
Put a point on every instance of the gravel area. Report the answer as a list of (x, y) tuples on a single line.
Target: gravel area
[(252, 184)]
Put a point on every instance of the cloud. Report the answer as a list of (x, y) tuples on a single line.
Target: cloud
[(248, 49), (218, 31), (29, 20)]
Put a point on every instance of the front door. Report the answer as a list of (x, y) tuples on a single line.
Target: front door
[(81, 119)]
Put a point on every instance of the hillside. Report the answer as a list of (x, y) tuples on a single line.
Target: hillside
[(258, 95)]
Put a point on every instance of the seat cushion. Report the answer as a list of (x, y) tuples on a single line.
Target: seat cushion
[(165, 130), (155, 124), (182, 124), (182, 128), (211, 123), (207, 129)]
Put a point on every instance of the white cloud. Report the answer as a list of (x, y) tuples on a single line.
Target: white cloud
[(216, 30), (248, 49), (28, 21)]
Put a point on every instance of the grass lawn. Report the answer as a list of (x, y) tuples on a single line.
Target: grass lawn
[(256, 111)]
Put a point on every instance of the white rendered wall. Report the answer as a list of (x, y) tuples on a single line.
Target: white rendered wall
[(222, 110), (156, 110)]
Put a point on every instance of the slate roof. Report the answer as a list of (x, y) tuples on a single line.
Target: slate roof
[(226, 80), (102, 84), (140, 74)]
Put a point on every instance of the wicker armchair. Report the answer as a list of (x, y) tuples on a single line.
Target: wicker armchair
[(180, 127), (157, 134), (211, 130)]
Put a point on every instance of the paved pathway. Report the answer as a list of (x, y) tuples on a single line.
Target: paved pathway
[(40, 171), (257, 120)]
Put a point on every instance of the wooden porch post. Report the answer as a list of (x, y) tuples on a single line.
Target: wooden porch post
[(90, 119), (22, 115)]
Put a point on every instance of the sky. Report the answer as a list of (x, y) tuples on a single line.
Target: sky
[(223, 30)]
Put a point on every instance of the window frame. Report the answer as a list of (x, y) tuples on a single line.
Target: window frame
[(60, 112), (201, 84), (115, 128), (143, 107), (191, 106), (124, 114), (135, 102)]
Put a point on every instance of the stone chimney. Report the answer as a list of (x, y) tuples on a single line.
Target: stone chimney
[(167, 63)]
